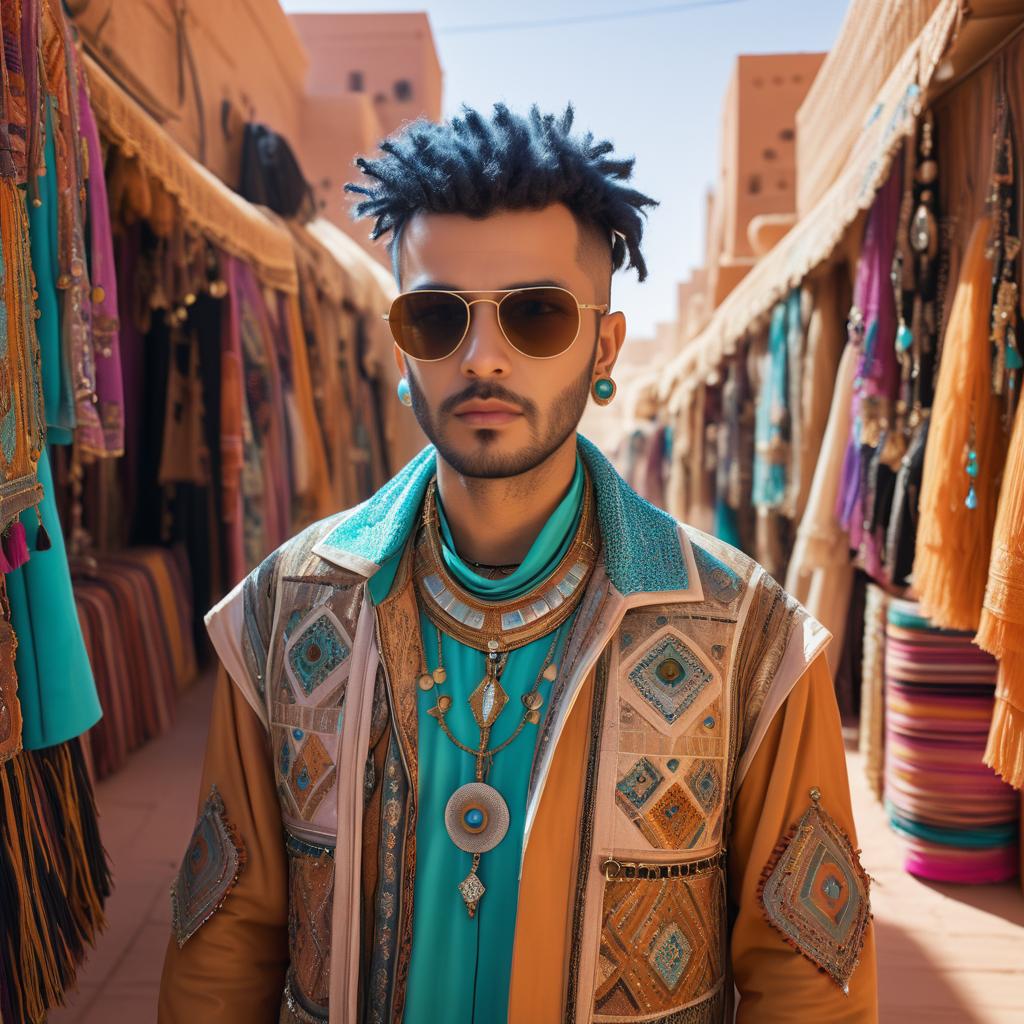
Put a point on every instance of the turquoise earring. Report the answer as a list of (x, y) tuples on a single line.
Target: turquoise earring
[(603, 390), (404, 394)]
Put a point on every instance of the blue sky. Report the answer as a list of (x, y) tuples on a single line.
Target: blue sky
[(653, 83)]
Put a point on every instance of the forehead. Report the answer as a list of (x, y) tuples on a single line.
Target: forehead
[(504, 248)]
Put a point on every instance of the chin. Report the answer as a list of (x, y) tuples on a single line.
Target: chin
[(491, 455)]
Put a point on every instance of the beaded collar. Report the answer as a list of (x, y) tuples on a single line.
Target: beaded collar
[(502, 625)]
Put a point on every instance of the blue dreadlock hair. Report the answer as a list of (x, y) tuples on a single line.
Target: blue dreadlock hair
[(475, 166)]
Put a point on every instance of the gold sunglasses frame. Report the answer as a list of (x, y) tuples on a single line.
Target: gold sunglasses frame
[(504, 293)]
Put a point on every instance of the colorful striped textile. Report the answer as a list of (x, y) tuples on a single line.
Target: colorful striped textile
[(136, 613), (959, 821)]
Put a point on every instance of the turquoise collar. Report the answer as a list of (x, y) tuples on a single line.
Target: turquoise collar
[(643, 546)]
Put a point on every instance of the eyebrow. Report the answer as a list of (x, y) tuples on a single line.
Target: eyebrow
[(443, 286)]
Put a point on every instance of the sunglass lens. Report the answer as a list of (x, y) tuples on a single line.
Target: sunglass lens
[(428, 325), (540, 322)]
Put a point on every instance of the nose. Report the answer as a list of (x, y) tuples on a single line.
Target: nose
[(485, 352)]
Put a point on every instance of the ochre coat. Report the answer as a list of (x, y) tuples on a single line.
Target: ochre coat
[(664, 875)]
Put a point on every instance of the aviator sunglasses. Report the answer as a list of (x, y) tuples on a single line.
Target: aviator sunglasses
[(540, 322)]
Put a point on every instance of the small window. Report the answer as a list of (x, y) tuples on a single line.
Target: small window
[(355, 81), (777, 79), (769, 154), (758, 82), (782, 184), (787, 135), (754, 184), (403, 90)]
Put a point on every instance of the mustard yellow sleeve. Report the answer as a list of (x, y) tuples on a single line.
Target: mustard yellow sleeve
[(799, 893), (231, 968)]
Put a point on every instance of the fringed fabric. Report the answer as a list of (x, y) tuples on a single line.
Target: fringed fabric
[(1001, 630), (954, 540), (54, 878)]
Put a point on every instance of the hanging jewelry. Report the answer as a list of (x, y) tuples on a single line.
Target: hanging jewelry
[(404, 392), (971, 468), (476, 815)]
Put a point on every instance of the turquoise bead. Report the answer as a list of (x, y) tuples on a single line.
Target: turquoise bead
[(404, 393), (1014, 360), (604, 387), (474, 818), (972, 499), (904, 338)]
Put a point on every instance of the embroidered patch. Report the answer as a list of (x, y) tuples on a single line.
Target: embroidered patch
[(661, 948), (673, 823), (815, 892), (310, 775), (636, 787), (705, 782), (670, 677), (317, 653), (211, 866)]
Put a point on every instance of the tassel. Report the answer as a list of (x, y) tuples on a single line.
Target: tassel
[(1004, 753), (15, 546), (42, 537)]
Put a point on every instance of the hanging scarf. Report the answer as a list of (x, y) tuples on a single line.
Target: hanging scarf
[(1001, 631), (872, 329), (954, 540), (772, 425)]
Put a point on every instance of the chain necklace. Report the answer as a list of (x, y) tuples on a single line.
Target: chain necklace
[(476, 815)]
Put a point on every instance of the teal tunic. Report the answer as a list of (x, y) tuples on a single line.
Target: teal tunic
[(461, 967), (56, 688)]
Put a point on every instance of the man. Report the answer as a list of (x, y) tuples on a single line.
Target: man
[(506, 742)]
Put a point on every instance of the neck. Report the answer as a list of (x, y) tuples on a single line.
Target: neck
[(494, 521)]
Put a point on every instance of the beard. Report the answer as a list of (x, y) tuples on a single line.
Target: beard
[(547, 433)]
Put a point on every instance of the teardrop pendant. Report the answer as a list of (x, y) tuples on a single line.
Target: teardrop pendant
[(971, 501)]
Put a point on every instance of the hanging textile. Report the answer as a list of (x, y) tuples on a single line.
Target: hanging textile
[(772, 429), (954, 538), (1001, 630), (870, 449)]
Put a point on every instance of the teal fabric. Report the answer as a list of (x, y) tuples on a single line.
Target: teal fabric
[(771, 417), (642, 551), (56, 688), (545, 553), (58, 398), (461, 968)]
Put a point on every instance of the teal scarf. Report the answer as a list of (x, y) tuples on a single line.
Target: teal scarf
[(461, 967)]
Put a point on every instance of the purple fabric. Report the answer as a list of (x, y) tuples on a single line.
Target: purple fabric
[(103, 275), (877, 367)]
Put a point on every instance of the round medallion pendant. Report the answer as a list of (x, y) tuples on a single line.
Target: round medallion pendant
[(476, 817)]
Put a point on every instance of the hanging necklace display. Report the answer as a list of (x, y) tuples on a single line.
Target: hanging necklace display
[(1004, 250)]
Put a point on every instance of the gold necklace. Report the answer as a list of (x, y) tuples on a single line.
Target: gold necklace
[(502, 626), (476, 815)]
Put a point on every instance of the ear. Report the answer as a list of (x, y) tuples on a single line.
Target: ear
[(609, 343), (400, 362)]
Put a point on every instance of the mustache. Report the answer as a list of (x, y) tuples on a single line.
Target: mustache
[(489, 389)]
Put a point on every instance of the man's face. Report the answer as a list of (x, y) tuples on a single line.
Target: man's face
[(490, 410)]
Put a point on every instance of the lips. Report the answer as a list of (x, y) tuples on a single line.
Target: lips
[(486, 412)]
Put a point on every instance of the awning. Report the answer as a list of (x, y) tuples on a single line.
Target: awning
[(816, 235), (372, 286), (213, 209)]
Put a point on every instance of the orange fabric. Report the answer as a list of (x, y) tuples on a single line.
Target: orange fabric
[(954, 541), (232, 970), (803, 748), (544, 917)]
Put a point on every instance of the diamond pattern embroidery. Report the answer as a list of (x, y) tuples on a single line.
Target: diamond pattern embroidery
[(317, 653), (636, 788), (705, 783), (675, 823), (815, 892), (670, 677), (308, 769), (670, 955)]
